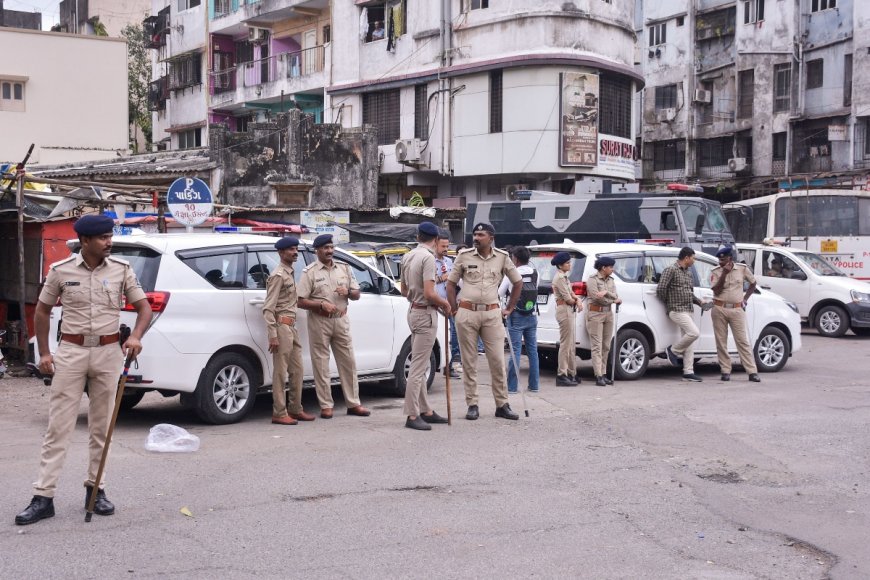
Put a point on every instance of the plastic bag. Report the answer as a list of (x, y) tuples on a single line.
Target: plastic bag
[(166, 438)]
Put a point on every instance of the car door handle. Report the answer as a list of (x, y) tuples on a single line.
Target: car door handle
[(257, 301), (650, 292), (765, 287)]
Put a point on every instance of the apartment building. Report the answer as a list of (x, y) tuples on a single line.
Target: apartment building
[(746, 95), (93, 16)]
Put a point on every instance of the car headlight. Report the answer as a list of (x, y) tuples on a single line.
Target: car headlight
[(860, 296), (792, 305)]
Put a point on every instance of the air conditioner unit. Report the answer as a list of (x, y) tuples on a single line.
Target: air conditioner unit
[(703, 96), (737, 164), (257, 34), (408, 150), (664, 115)]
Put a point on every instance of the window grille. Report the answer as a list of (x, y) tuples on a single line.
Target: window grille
[(382, 110), (615, 106), (186, 71), (715, 152), (669, 155), (746, 93), (666, 97), (781, 87), (495, 101), (421, 112), (815, 73)]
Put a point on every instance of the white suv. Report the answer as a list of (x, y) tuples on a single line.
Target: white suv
[(208, 341), (644, 327)]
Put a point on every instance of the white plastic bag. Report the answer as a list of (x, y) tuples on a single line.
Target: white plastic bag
[(167, 438)]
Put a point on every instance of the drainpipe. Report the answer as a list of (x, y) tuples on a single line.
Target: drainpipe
[(690, 91), (443, 87)]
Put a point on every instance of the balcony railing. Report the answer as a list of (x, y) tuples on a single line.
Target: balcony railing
[(155, 29), (158, 94), (222, 8), (256, 73)]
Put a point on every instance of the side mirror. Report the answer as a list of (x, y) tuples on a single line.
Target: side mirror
[(384, 285), (799, 275), (699, 223)]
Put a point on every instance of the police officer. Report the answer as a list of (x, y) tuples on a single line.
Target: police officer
[(279, 311), (324, 289), (601, 289), (418, 286), (729, 306), (567, 306), (478, 314), (91, 286)]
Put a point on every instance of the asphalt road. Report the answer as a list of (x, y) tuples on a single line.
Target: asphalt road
[(648, 479)]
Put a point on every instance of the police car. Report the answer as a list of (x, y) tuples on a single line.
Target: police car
[(208, 340), (645, 330)]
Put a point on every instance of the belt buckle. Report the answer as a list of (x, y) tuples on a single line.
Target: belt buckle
[(480, 307), (91, 340)]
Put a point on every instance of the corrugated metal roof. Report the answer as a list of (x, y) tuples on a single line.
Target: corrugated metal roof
[(181, 162)]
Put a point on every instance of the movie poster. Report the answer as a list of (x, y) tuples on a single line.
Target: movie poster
[(578, 111)]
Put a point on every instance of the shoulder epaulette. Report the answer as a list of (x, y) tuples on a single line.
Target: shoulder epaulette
[(500, 251), (61, 262), (119, 261), (309, 266), (465, 251)]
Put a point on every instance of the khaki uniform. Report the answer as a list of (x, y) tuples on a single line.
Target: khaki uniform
[(728, 311), (599, 320), (279, 311), (91, 307), (566, 316), (326, 332), (418, 266), (479, 315)]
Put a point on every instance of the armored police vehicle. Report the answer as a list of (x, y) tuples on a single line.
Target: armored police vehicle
[(544, 217)]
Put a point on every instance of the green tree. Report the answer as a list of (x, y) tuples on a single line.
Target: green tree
[(138, 83)]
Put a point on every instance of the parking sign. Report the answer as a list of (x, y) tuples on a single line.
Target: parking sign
[(189, 201)]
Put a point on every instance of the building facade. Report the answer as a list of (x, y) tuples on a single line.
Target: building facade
[(746, 95), (97, 16), (65, 93), (20, 19)]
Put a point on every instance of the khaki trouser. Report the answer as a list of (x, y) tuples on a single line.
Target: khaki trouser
[(736, 318), (685, 347), (332, 333), (599, 325), (74, 365), (424, 327), (488, 326), (566, 317), (288, 357)]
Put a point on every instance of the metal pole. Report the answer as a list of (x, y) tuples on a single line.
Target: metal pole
[(22, 285), (447, 367)]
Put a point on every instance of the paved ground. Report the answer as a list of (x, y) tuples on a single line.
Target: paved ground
[(654, 479)]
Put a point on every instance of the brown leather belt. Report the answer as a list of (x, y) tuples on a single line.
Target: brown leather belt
[(421, 306), (724, 304), (597, 308), (91, 340), (288, 320), (477, 307)]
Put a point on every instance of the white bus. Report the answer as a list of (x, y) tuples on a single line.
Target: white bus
[(832, 223)]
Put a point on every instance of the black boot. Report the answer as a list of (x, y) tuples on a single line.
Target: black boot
[(564, 381), (600, 382), (40, 507), (505, 412), (575, 379), (102, 507)]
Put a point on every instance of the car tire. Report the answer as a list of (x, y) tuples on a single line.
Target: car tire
[(632, 355), (131, 398), (225, 392), (771, 350), (832, 321), (403, 365)]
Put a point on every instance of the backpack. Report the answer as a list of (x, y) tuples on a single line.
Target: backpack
[(528, 301)]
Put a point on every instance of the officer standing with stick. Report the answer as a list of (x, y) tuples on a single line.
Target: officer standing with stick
[(279, 311), (91, 286), (478, 314), (567, 305), (418, 286), (601, 290), (324, 290)]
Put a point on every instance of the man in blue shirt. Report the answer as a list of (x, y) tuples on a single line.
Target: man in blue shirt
[(443, 265)]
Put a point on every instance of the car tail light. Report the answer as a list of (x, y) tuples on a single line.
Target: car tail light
[(579, 288), (157, 300)]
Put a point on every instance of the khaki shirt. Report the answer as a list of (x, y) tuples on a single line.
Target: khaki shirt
[(732, 291), (91, 298), (320, 281), (418, 266), (596, 284), (280, 298), (481, 276), (562, 288)]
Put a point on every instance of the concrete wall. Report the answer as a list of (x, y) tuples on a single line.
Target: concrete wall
[(20, 19), (75, 96)]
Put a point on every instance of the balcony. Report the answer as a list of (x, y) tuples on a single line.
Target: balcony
[(233, 16), (264, 80), (158, 94), (156, 28)]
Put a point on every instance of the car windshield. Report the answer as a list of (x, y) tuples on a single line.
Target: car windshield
[(540, 261), (714, 221), (818, 264), (145, 262)]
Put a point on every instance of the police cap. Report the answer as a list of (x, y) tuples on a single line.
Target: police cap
[(428, 228), (560, 258), (724, 251), (288, 242), (94, 225), (322, 240), (603, 262), (483, 227)]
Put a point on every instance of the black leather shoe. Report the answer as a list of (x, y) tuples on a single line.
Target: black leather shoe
[(418, 424), (600, 382), (434, 418), (473, 413), (40, 507), (725, 377), (608, 381), (505, 412), (675, 360), (754, 378), (574, 379), (564, 381), (102, 507)]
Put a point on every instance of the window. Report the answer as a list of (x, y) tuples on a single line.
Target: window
[(706, 109), (144, 261), (822, 215), (186, 71), (704, 271), (779, 145), (847, 80), (224, 270), (658, 34), (823, 5), (385, 20), (781, 87), (681, 20), (188, 4), (629, 268), (867, 136), (669, 155), (747, 257), (746, 93), (666, 97), (562, 213), (474, 5), (715, 152), (753, 11), (495, 103), (362, 274), (11, 96), (421, 112), (190, 139), (327, 34), (528, 213), (615, 106), (815, 73), (382, 109), (496, 213)]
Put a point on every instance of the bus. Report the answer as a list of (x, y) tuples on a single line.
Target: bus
[(832, 223), (545, 217)]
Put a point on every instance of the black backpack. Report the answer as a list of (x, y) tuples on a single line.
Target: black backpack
[(528, 302)]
